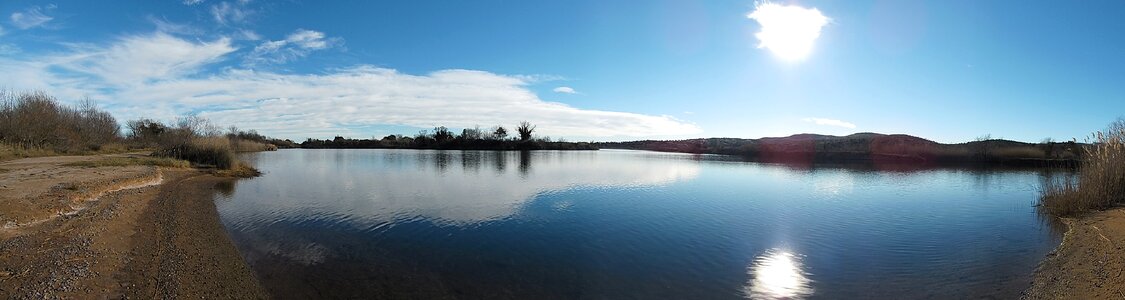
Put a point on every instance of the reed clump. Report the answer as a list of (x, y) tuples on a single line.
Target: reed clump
[(205, 150), (1100, 182)]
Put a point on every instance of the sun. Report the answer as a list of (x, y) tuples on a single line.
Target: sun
[(789, 31)]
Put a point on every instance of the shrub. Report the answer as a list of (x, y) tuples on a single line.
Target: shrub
[(35, 120), (214, 151), (1100, 182)]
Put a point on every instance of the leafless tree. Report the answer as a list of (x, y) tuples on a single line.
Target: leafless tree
[(525, 129)]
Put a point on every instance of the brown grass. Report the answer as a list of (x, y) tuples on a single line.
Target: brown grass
[(240, 145), (1099, 184), (133, 161), (240, 170), (213, 151)]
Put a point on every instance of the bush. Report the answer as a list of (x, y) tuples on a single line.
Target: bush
[(214, 151), (35, 120), (1099, 184)]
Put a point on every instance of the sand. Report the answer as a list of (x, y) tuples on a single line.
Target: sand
[(1088, 264), (114, 232)]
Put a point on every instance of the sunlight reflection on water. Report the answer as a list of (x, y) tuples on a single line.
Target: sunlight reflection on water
[(777, 274)]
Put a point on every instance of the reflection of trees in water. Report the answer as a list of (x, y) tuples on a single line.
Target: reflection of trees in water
[(525, 163), (470, 161), (500, 158), (441, 159), (226, 188)]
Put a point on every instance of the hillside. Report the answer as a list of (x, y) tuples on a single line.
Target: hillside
[(872, 147)]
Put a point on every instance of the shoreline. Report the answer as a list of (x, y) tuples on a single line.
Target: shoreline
[(130, 238), (1088, 263), (149, 232)]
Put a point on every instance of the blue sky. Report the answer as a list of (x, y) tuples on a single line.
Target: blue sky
[(582, 70)]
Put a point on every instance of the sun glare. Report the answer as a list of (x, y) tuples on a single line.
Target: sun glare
[(789, 31), (777, 275)]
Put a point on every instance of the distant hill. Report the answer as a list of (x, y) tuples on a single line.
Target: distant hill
[(866, 146)]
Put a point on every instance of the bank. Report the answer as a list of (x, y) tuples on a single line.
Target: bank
[(70, 231), (1088, 264)]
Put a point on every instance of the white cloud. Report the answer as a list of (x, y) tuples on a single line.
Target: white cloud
[(136, 60), (31, 17), (161, 76), (789, 31), (192, 2), (565, 90), (163, 25), (297, 45), (226, 13), (829, 122), (2, 31)]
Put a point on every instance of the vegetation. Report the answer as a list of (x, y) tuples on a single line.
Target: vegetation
[(36, 124), (441, 137), (1100, 182), (133, 161), (198, 141)]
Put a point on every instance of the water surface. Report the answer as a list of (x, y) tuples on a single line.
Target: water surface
[(628, 224)]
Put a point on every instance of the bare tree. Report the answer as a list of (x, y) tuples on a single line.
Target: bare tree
[(525, 129)]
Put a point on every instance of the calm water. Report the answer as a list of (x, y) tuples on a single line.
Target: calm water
[(625, 224)]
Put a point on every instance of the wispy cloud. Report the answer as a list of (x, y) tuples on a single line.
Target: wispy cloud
[(565, 90), (32, 17), (788, 31), (829, 122), (192, 2), (297, 45), (137, 60), (163, 25), (158, 75), (226, 13)]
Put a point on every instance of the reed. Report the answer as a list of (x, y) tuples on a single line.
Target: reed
[(1100, 182)]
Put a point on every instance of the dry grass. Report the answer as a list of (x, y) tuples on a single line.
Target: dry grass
[(133, 161), (9, 152), (240, 145), (240, 170), (213, 151), (1099, 184)]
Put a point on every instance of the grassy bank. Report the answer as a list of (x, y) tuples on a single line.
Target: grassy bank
[(1100, 182)]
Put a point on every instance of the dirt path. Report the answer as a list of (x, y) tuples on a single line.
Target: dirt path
[(147, 242), (1090, 262)]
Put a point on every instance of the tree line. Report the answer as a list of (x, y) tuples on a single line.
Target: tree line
[(441, 137)]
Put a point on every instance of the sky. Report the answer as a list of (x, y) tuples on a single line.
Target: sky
[(950, 71)]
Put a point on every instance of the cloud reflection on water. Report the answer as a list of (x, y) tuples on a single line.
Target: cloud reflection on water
[(445, 187)]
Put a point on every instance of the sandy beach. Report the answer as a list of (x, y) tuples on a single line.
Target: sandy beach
[(1090, 262), (114, 232)]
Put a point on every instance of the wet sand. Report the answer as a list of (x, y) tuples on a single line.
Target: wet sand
[(112, 232), (1088, 264)]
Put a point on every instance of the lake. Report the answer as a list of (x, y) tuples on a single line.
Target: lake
[(615, 224)]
